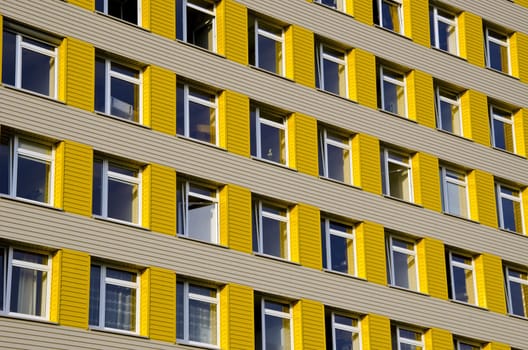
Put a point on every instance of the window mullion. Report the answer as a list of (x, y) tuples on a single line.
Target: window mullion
[(104, 190)]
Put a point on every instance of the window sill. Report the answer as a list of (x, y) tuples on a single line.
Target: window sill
[(525, 318), (508, 152), (113, 18), (33, 93), (502, 73), (333, 9), (449, 53), (402, 201), (271, 73), (461, 217), (347, 275), (106, 115), (408, 290), (193, 345), (214, 244), (284, 166), (29, 201), (27, 318), (116, 331), (512, 232), (455, 135), (468, 304), (272, 257), (393, 32), (334, 94), (208, 144), (120, 222), (324, 178), (199, 48), (397, 115)]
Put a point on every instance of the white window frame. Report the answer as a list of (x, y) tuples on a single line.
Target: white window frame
[(463, 342), (260, 235), (506, 44), (274, 37), (340, 5), (21, 44), (440, 97), (187, 296), (326, 140), (341, 61), (408, 252), (105, 176), (109, 74), (399, 4), (189, 97), (495, 116), (11, 262), (387, 160), (349, 236), (139, 19), (403, 84), (401, 340), (346, 328), (450, 180), (185, 199), (188, 3), (103, 281), (470, 267), (520, 281), (263, 120), (452, 22), (518, 199), (274, 313)]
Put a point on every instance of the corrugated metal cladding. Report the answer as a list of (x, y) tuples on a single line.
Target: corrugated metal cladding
[(67, 230)]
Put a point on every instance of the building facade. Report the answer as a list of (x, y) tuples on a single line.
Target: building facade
[(264, 174)]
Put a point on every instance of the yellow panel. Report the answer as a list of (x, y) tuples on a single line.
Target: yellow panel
[(426, 181), (302, 144), (432, 267), (305, 236), (70, 297), (490, 283), (159, 16), (416, 21), (236, 318), (376, 332), (308, 323), (438, 339), (87, 4), (77, 179), (158, 304), (1, 39), (471, 38), (496, 346), (524, 208), (300, 55), (58, 176), (361, 10), (481, 188), (159, 101), (521, 2), (159, 198), (77, 73), (520, 124), (519, 55), (362, 78), (234, 123), (370, 245), (421, 99), (366, 163), (475, 118), (232, 33), (235, 218)]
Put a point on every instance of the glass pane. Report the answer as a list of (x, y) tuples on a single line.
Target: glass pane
[(464, 346), (38, 72), (95, 292), (390, 13), (100, 83), (330, 3), (338, 164), (345, 340), (202, 217), (253, 131), (179, 311), (393, 98), (33, 180), (125, 10), (28, 291), (277, 333), (200, 28), (447, 37), (30, 257), (399, 184), (202, 122), (99, 5), (121, 275), (324, 233), (463, 285), (450, 117), (334, 77), (518, 295), (275, 238), (122, 201), (118, 68), (179, 19), (512, 215), (503, 135), (5, 171), (269, 54), (272, 144), (202, 322), (271, 305), (498, 57), (8, 58), (97, 187), (404, 274), (180, 110), (456, 199), (203, 291), (124, 99), (3, 273), (339, 253), (121, 170), (120, 308)]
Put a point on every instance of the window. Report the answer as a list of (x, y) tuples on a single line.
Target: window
[(502, 130), (335, 156), (338, 245), (266, 46), (29, 64), (462, 278), (393, 92), (443, 30), (406, 339), (196, 23), (24, 283), (196, 314), (454, 192), (270, 230), (343, 332), (517, 289), (268, 135), (396, 175), (26, 169), (497, 51), (509, 208), (116, 191), (126, 10), (448, 112), (114, 299), (196, 113), (197, 211), (388, 15), (273, 328), (463, 345), (331, 70), (335, 4), (402, 263), (117, 90)]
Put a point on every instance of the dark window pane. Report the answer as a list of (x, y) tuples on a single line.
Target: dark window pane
[(120, 307), (97, 187), (268, 54), (202, 122), (4, 164), (179, 311), (323, 243), (460, 288), (100, 82), (179, 19), (99, 5), (271, 142), (32, 180), (339, 253), (28, 291), (126, 10), (8, 58), (199, 28), (124, 99), (95, 281), (180, 110), (121, 201), (331, 76), (253, 131), (37, 72)]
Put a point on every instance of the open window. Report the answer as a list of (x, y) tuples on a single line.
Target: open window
[(502, 129), (271, 229), (444, 30), (497, 51), (266, 46), (273, 324), (393, 92), (509, 208), (196, 113), (126, 10), (404, 338), (454, 192), (448, 111), (268, 135), (463, 285), (335, 156), (196, 23), (338, 247), (402, 265), (331, 69), (517, 291), (396, 175), (388, 14)]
